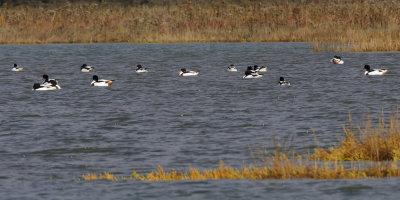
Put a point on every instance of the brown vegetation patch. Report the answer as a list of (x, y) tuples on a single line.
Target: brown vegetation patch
[(331, 25)]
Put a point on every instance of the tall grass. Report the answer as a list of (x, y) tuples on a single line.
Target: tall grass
[(339, 25), (379, 145), (283, 168), (366, 143)]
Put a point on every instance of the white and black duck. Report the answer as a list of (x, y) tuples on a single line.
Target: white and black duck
[(16, 68), (140, 69), (101, 82), (372, 72), (86, 68), (283, 82), (184, 72)]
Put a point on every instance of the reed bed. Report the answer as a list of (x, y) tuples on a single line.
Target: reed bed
[(283, 168), (379, 146), (339, 25), (368, 143)]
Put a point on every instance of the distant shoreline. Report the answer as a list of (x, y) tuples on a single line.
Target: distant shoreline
[(329, 26)]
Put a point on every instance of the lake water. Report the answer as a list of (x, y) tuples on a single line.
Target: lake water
[(144, 120)]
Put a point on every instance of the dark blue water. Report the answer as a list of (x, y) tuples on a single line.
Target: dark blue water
[(144, 120)]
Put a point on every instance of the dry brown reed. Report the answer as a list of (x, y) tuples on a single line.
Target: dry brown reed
[(283, 168), (339, 25), (369, 143)]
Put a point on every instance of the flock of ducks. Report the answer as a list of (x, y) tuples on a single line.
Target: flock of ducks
[(251, 72)]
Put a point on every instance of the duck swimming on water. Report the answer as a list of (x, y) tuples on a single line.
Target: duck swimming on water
[(140, 69), (250, 73), (86, 68), (337, 60), (16, 68), (52, 85), (184, 72), (47, 84), (100, 82), (369, 71), (232, 68), (283, 82)]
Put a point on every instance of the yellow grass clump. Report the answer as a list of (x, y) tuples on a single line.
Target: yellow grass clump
[(338, 25), (366, 144)]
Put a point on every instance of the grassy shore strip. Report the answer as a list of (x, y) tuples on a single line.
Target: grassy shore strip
[(339, 25), (379, 145), (283, 169)]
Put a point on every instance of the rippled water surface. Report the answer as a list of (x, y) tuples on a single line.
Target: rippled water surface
[(143, 120)]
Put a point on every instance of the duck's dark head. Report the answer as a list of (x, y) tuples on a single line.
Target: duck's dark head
[(183, 70), (15, 65), (249, 68), (281, 79), (232, 65), (83, 66), (247, 73), (36, 86), (45, 78), (138, 67), (367, 68), (255, 67), (96, 78)]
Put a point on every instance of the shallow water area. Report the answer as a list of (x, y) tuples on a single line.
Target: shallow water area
[(158, 118)]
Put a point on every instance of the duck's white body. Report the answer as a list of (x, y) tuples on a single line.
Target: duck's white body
[(48, 87), (337, 61), (87, 69), (262, 69), (253, 76), (141, 70), (376, 72), (232, 69), (188, 73), (17, 69), (101, 83), (52, 84), (284, 83)]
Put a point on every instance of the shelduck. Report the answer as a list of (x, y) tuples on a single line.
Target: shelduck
[(52, 85), (100, 82), (232, 68), (184, 72), (337, 60), (86, 68), (140, 69), (369, 71), (250, 73), (283, 82), (16, 68)]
